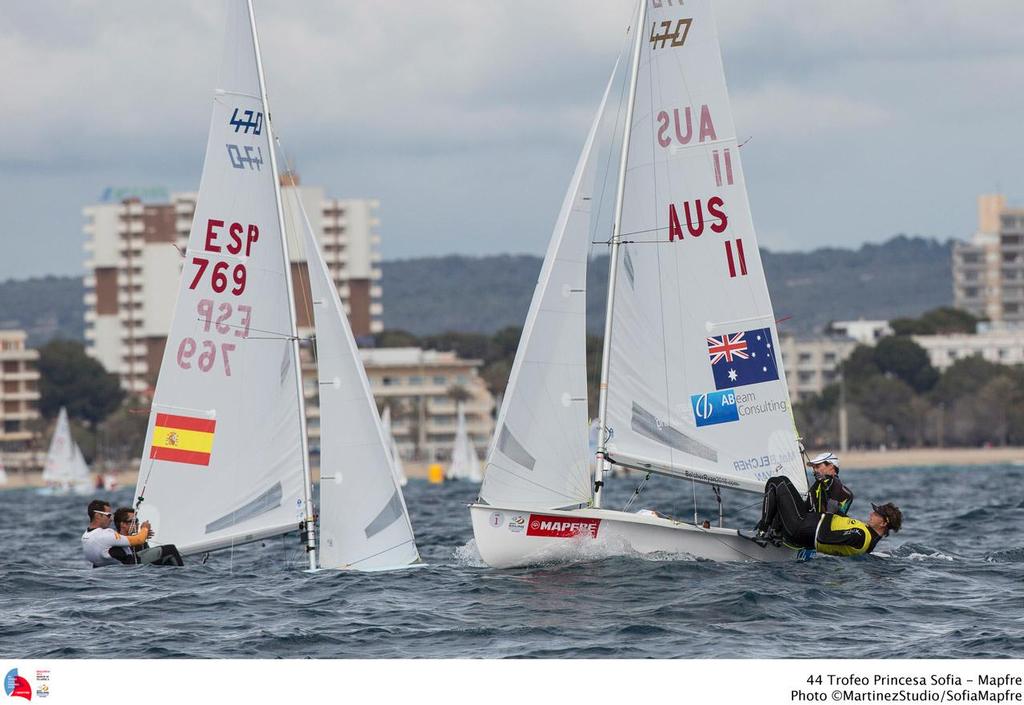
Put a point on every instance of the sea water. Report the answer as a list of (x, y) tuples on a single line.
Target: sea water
[(950, 585)]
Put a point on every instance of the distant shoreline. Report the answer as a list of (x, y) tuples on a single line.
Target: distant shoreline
[(910, 457), (851, 460)]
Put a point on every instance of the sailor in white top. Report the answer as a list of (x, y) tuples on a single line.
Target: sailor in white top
[(99, 538)]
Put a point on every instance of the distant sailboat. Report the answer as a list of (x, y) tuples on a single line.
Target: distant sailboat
[(3, 474), (465, 463), (396, 456), (66, 471), (692, 387)]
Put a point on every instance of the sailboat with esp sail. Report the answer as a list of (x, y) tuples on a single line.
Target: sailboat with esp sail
[(692, 387), (226, 459)]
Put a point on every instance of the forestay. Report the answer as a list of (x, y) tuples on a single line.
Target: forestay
[(364, 523), (538, 458), (224, 456), (696, 386)]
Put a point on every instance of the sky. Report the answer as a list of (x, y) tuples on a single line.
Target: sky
[(466, 117)]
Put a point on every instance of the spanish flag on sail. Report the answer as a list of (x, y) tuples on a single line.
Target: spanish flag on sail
[(182, 439)]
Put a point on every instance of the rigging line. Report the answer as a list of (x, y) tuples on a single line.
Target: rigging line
[(636, 492), (383, 550), (283, 336)]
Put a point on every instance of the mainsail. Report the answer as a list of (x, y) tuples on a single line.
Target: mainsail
[(364, 523), (65, 465), (539, 459), (696, 387), (225, 460)]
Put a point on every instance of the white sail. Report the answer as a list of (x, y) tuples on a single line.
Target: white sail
[(696, 387), (538, 458), (3, 473), (224, 461), (465, 461), (364, 523), (396, 456), (65, 464)]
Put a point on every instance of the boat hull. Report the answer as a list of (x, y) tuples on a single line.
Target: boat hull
[(508, 538)]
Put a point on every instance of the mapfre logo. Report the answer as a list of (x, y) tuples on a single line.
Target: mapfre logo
[(17, 687), (561, 527)]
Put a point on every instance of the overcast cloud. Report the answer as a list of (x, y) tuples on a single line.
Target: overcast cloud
[(868, 118)]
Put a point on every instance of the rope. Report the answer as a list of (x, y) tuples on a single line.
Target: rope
[(636, 492)]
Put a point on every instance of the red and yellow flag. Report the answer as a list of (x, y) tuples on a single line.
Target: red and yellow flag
[(182, 439)]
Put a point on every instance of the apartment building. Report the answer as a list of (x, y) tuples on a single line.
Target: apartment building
[(1000, 343), (812, 364), (988, 271), (133, 264), (422, 387), (19, 390)]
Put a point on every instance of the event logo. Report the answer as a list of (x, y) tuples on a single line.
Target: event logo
[(715, 407), (15, 686)]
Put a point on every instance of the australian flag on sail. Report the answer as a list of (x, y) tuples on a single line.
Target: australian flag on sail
[(738, 359)]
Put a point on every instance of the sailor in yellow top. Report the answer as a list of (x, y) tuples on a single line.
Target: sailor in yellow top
[(785, 519)]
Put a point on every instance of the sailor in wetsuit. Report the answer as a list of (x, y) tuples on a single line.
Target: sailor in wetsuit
[(99, 538), (785, 519), (124, 520), (828, 494)]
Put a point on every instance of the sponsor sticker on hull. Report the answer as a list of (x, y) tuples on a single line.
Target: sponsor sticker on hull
[(561, 527)]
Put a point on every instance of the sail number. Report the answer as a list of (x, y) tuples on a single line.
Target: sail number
[(250, 120), (216, 318), (222, 275), (670, 37)]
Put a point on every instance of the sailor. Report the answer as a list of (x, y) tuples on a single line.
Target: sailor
[(785, 519), (99, 538), (828, 494), (124, 522)]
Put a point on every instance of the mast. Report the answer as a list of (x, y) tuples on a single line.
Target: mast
[(294, 333), (613, 260)]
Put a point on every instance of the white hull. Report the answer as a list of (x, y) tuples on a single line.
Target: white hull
[(508, 538)]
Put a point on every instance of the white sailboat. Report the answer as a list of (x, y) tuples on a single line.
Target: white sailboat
[(226, 459), (692, 387), (364, 523), (3, 474), (396, 456), (66, 471), (465, 463)]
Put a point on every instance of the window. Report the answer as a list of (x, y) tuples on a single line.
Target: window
[(439, 379), (805, 377), (805, 357), (416, 380), (389, 381), (830, 358)]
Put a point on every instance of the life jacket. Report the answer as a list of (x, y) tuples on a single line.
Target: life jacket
[(839, 523)]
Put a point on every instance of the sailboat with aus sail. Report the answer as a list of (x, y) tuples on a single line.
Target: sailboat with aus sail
[(692, 386)]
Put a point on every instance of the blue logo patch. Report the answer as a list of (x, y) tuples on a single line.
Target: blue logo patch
[(715, 407)]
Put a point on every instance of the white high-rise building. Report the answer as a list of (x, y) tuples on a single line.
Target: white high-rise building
[(134, 252)]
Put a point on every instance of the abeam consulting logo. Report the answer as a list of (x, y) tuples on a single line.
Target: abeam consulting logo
[(15, 686), (715, 407)]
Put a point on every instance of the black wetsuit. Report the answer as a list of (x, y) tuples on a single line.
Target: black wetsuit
[(829, 495), (157, 555), (785, 513)]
